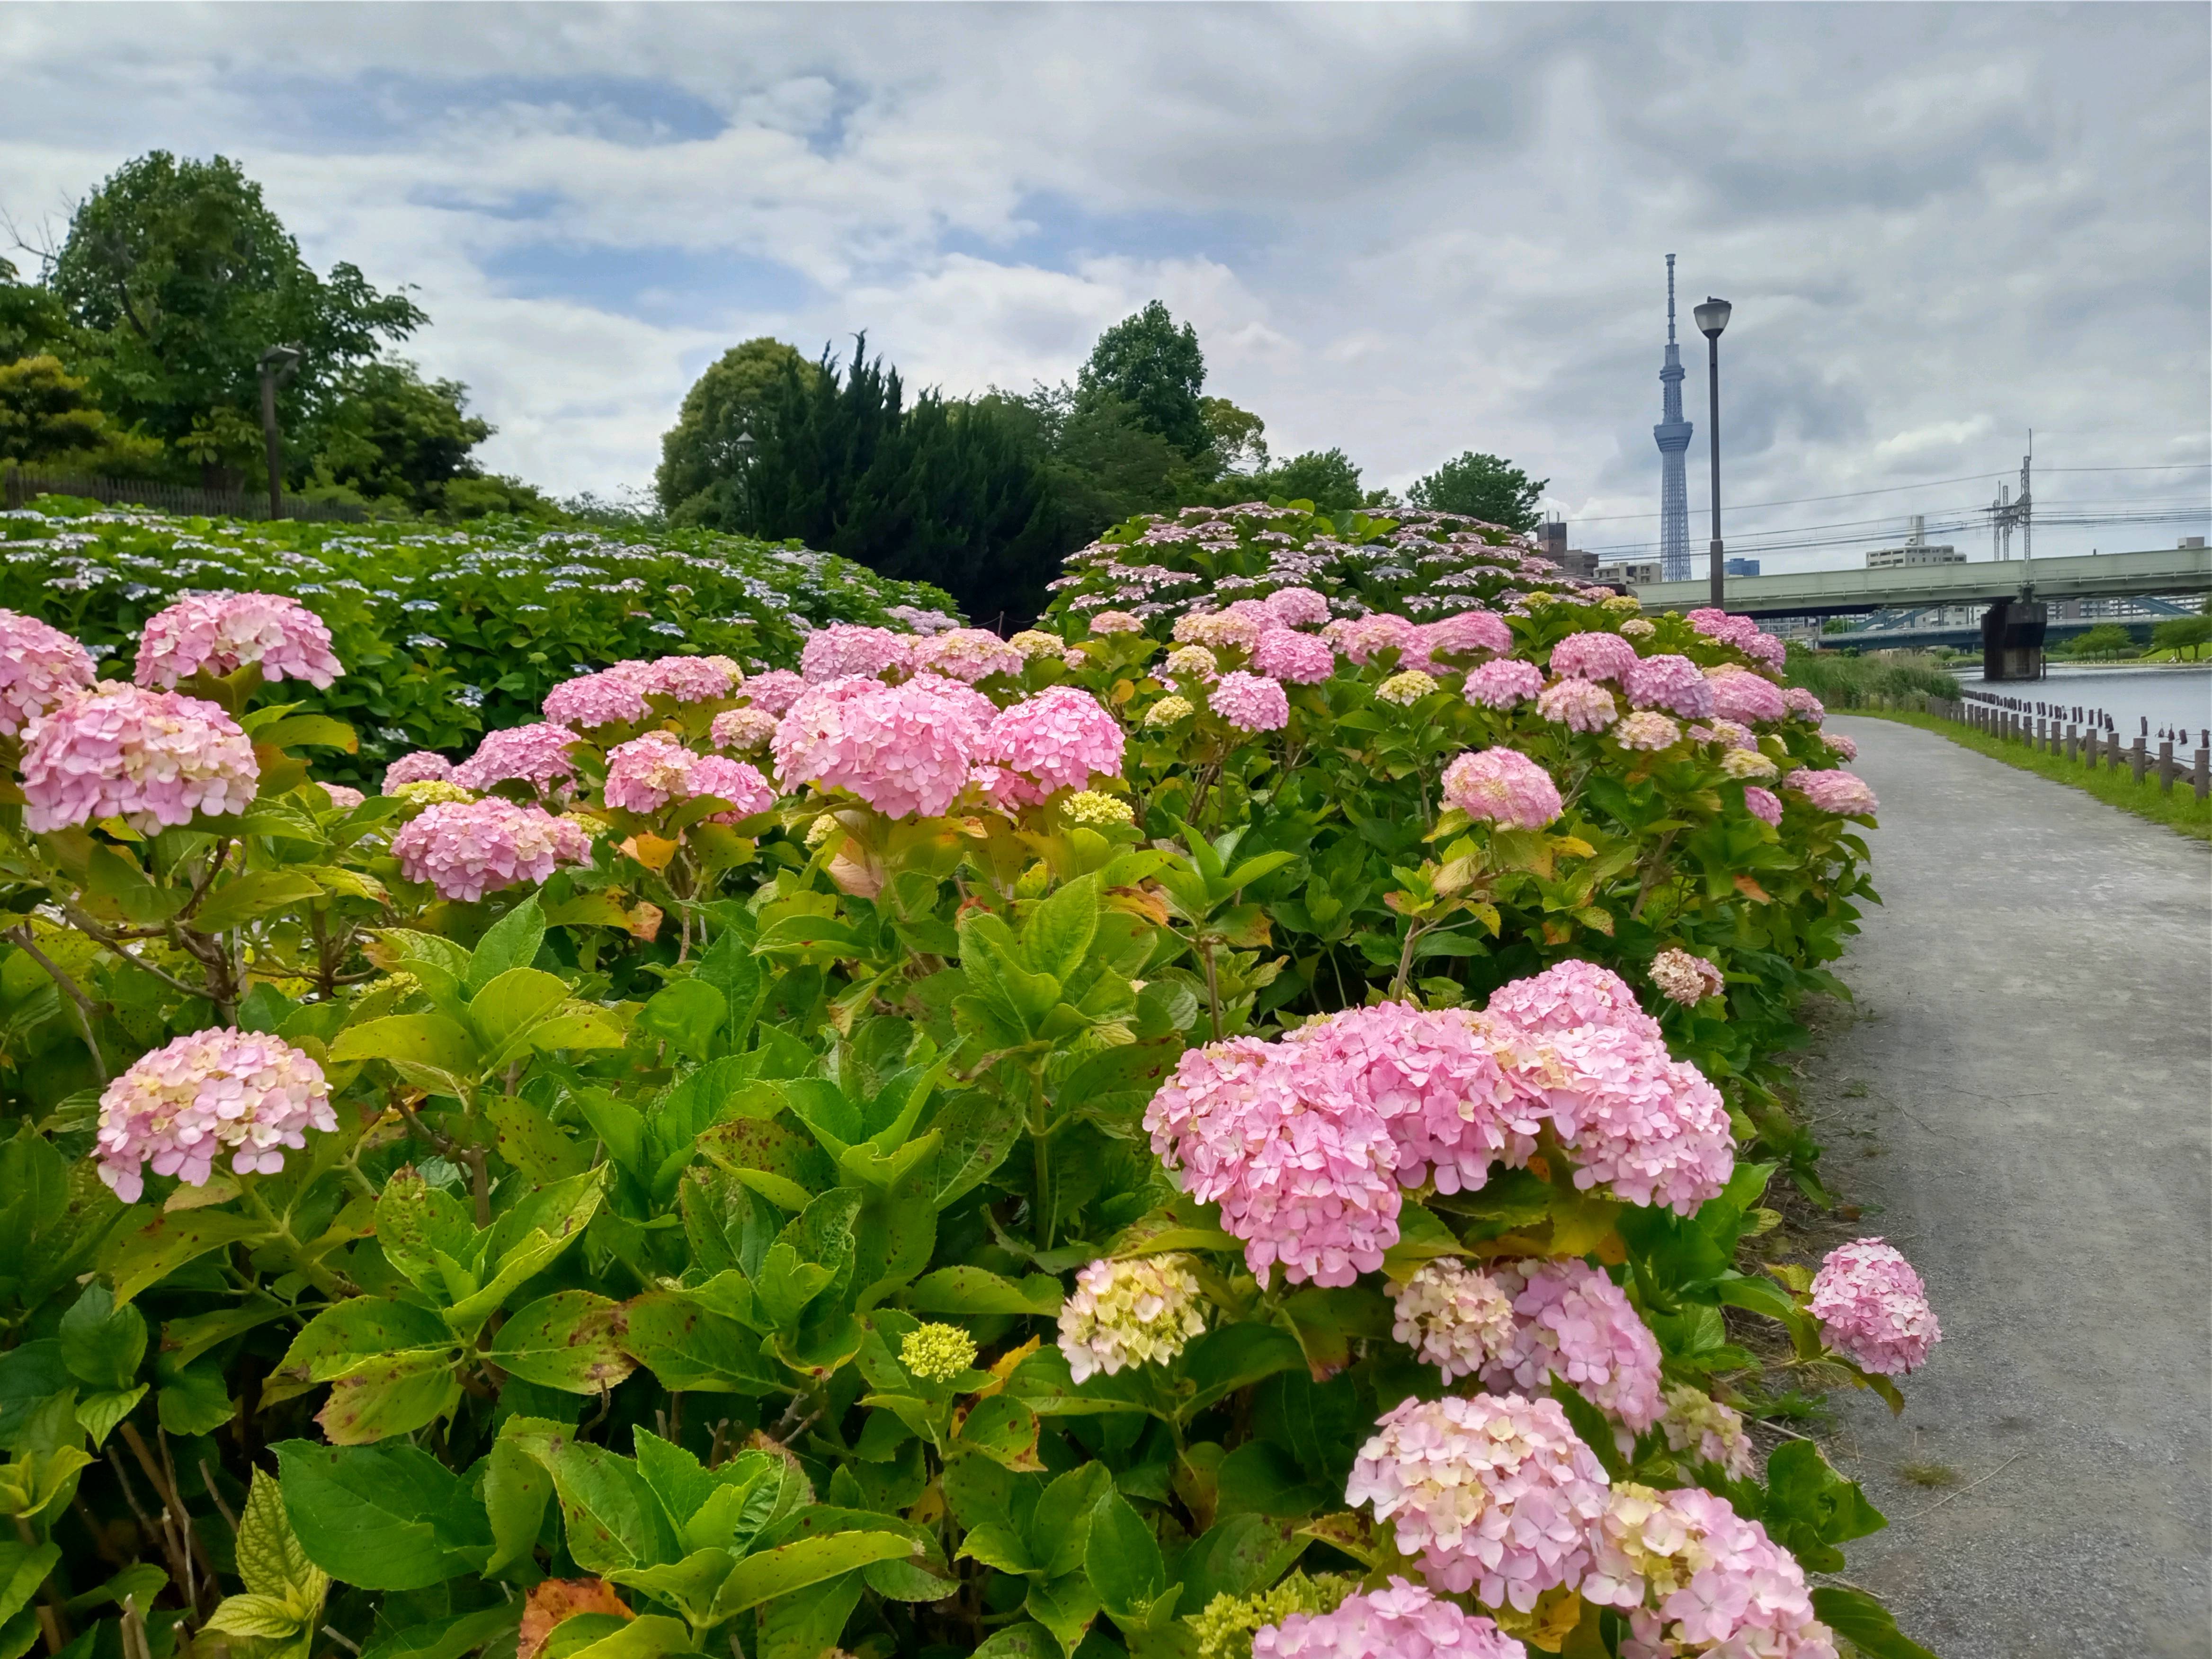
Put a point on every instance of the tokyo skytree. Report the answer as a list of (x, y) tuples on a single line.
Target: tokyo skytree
[(1673, 434)]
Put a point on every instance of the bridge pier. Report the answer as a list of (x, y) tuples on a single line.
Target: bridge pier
[(2012, 640)]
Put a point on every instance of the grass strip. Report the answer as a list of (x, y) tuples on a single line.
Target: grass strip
[(2181, 811)]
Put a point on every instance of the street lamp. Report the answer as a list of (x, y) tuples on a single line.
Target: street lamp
[(278, 364), (1712, 317)]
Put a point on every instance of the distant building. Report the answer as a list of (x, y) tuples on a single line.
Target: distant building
[(1916, 551), (2190, 541), (1740, 567), (1552, 538), (1632, 573)]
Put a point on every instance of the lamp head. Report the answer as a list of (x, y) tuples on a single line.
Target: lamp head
[(1712, 317)]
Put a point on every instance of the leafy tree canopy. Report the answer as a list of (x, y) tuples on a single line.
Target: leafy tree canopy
[(393, 439), (702, 456), (1485, 487), (46, 411), (1327, 478), (1156, 367), (1239, 437)]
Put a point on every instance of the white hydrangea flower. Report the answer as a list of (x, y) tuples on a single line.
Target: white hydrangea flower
[(1138, 1312)]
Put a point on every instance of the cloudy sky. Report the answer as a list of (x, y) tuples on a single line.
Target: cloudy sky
[(1407, 230)]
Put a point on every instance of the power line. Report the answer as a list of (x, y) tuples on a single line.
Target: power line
[(1891, 489)]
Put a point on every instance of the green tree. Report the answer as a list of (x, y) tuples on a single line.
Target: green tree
[(46, 411), (702, 457), (393, 437), (1485, 487), (2105, 639), (1327, 478), (1100, 463), (1239, 437), (32, 321), (1155, 366), (177, 275), (2179, 633)]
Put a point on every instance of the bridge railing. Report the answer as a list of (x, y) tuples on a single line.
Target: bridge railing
[(2087, 746)]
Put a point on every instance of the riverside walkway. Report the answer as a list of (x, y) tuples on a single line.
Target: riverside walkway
[(2036, 1069)]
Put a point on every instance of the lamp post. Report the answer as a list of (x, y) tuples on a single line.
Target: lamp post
[(1712, 317), (278, 364)]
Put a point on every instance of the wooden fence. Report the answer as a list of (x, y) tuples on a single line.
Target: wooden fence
[(2088, 746), (18, 485)]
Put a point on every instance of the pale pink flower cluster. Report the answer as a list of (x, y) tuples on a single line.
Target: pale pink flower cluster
[(1592, 656), (1747, 764), (1578, 705), (1741, 632), (1734, 735), (1847, 747), (1696, 1578), (536, 755), (1136, 1312), (1362, 638), (1295, 607), (1671, 682), (1116, 622), (1571, 1321), (1190, 662), (1647, 729), (1504, 786), (1649, 1128), (774, 692), (1464, 634), (38, 664), (415, 768), (1221, 631), (905, 750), (613, 696), (1250, 703), (1494, 1494), (1701, 1426), (742, 730), (205, 1093), (1401, 1621), (468, 848), (1762, 803), (153, 758), (1571, 993), (968, 655), (1740, 694), (1060, 738), (344, 796), (845, 649), (646, 774), (692, 679), (1686, 979), (1284, 653), (220, 632), (1804, 703), (1873, 1307), (1844, 793), (1453, 1317), (1503, 683)]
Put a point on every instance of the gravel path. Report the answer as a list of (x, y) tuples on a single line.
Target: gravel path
[(2024, 1105)]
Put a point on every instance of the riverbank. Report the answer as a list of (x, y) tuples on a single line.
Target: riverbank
[(2180, 812)]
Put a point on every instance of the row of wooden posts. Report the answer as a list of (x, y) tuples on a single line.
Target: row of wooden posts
[(2087, 745)]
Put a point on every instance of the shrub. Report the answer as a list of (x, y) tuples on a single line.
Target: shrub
[(684, 1217), (1851, 682)]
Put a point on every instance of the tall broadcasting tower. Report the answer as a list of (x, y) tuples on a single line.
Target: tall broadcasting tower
[(1673, 434)]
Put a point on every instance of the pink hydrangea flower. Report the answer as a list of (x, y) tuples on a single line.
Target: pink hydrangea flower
[(1464, 634), (1670, 683), (1504, 683), (1059, 739), (1844, 793), (1453, 1317), (206, 1093), (1401, 1621), (220, 632), (1740, 632), (1571, 993), (1703, 1427), (905, 750), (1571, 1321), (1695, 1578), (153, 758), (39, 665), (1592, 656), (1739, 695), (774, 692), (536, 755), (1649, 1129), (645, 773), (1847, 747), (468, 848), (1364, 638), (1494, 1494), (344, 796), (1295, 607), (1578, 705), (1116, 622), (1305, 1176), (1734, 735), (1284, 653), (1686, 979), (415, 768), (1762, 803), (613, 696), (734, 781), (1250, 703), (1220, 630), (1501, 786), (1647, 729), (1873, 1307), (968, 655), (1804, 703), (692, 679), (742, 730), (845, 649)]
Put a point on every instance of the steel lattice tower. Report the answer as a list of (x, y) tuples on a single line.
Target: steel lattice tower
[(1672, 436)]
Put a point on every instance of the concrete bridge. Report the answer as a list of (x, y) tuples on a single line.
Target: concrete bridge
[(2164, 571)]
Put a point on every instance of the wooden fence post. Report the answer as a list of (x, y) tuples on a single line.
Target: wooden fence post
[(2203, 775), (2165, 767), (2138, 758)]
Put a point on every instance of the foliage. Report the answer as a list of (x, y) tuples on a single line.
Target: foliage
[(629, 1308), (2180, 634), (2106, 641), (703, 457), (1852, 681), (1327, 478), (1238, 437), (398, 442), (1157, 369), (47, 413), (1482, 487), (444, 633)]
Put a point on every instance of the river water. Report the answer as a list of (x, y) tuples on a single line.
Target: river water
[(2180, 697)]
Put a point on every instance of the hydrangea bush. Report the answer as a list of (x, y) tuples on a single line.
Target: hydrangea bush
[(1231, 1125)]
